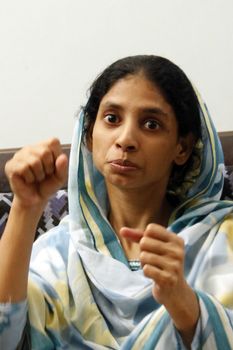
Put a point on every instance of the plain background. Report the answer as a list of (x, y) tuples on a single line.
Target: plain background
[(51, 50)]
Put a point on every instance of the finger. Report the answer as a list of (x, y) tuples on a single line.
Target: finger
[(174, 266), (157, 231), (55, 147), (167, 250), (153, 245), (152, 259), (35, 164), (14, 168), (48, 160), (162, 278), (18, 184), (47, 154), (55, 181), (161, 233), (134, 235)]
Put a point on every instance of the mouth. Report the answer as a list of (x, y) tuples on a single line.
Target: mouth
[(123, 165)]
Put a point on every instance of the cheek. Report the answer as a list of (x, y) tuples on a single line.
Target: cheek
[(101, 141), (98, 151), (96, 141), (162, 156)]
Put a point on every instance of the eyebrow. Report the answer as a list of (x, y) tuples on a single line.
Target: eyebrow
[(151, 110)]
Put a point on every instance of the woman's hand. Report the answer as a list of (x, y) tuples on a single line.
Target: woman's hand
[(36, 172), (162, 259)]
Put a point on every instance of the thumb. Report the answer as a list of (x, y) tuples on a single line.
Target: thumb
[(131, 234)]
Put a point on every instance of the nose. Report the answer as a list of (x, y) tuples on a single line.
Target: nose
[(127, 139)]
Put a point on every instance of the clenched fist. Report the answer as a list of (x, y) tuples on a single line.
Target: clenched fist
[(162, 255), (36, 172)]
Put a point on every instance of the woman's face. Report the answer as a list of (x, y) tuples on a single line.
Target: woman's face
[(135, 136)]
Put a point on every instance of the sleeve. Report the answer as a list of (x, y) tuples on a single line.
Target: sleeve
[(215, 326), (214, 329), (47, 289), (13, 317)]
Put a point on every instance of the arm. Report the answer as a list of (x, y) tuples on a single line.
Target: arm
[(34, 173), (214, 330)]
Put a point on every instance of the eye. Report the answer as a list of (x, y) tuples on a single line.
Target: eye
[(151, 124), (111, 118)]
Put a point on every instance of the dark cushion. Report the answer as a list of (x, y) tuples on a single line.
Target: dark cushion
[(228, 184), (55, 210)]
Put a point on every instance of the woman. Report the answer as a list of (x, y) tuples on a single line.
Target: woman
[(145, 252)]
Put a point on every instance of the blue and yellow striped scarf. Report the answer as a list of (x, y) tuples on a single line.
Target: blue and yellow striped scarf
[(82, 293)]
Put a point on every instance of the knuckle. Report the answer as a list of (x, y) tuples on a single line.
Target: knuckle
[(180, 254), (142, 243), (18, 155), (142, 257), (167, 280), (150, 227), (161, 280), (45, 152), (54, 142), (146, 269), (23, 170), (7, 167), (172, 281), (181, 241), (35, 162), (176, 268), (13, 167)]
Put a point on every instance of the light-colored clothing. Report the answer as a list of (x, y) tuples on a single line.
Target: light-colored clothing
[(82, 293)]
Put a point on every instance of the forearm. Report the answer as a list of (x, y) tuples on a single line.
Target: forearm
[(214, 329), (185, 313), (34, 174), (15, 251)]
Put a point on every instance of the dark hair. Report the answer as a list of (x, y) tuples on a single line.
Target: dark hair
[(165, 75)]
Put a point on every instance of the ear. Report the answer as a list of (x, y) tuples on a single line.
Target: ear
[(184, 149)]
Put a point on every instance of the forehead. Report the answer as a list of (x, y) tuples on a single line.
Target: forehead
[(135, 92)]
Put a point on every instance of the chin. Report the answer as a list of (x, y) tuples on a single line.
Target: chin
[(121, 182)]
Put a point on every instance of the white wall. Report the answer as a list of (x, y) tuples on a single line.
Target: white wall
[(51, 50)]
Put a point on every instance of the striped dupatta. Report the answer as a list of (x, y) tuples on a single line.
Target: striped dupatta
[(82, 293)]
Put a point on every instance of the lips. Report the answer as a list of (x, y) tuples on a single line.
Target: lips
[(123, 166), (124, 163)]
